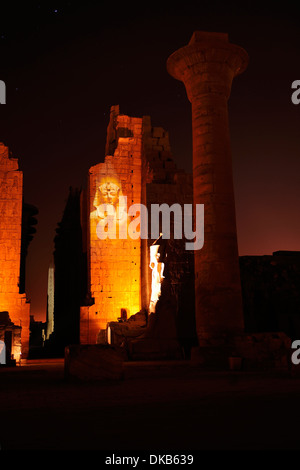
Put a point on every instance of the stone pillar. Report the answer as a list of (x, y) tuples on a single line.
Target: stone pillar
[(207, 66)]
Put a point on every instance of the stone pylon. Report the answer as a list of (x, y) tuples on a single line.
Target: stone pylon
[(207, 66), (12, 303)]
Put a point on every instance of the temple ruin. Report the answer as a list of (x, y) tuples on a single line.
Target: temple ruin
[(14, 307), (118, 282), (138, 170)]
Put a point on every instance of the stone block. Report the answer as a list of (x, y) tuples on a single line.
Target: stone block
[(91, 362), (158, 132), (260, 351), (147, 349)]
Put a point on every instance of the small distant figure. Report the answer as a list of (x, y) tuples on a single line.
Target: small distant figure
[(2, 353), (123, 314)]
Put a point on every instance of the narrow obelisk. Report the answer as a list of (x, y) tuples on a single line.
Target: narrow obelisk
[(207, 66)]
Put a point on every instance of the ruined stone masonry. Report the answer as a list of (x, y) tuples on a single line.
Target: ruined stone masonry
[(11, 198), (138, 169), (114, 265)]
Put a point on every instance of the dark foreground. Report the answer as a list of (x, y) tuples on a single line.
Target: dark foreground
[(155, 408)]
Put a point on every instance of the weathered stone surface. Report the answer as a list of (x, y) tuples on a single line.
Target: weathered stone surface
[(119, 332), (114, 264), (11, 196), (148, 349), (207, 66), (161, 338), (93, 362), (271, 292), (140, 167), (264, 350), (260, 351)]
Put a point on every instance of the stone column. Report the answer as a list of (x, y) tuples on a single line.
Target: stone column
[(207, 66)]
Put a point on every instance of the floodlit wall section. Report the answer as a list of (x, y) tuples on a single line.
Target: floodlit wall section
[(11, 196), (114, 263)]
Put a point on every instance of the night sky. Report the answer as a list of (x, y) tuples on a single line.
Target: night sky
[(66, 63)]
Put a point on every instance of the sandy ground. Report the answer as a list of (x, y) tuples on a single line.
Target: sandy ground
[(152, 409)]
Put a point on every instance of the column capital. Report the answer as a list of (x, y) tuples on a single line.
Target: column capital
[(208, 64)]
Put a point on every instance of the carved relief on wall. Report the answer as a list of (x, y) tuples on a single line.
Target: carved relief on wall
[(110, 208)]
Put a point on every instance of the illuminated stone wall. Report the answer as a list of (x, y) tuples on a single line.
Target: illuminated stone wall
[(114, 264), (11, 195), (139, 166)]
